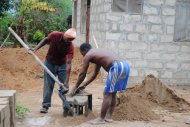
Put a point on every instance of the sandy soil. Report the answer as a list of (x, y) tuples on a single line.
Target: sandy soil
[(151, 103)]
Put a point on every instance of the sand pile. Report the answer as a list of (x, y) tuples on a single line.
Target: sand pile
[(137, 103), (19, 70)]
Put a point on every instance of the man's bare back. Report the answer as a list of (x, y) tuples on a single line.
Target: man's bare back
[(101, 57)]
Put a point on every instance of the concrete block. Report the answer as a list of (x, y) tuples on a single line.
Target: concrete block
[(113, 18), (183, 57), (113, 36), (133, 55), (168, 11), (153, 38), (4, 116), (181, 74), (168, 57), (126, 27), (153, 56), (137, 46), (169, 20), (150, 10), (173, 66), (141, 28), (11, 95), (166, 38), (185, 66), (156, 65), (155, 2), (170, 2), (133, 37), (156, 29), (154, 19), (185, 49), (170, 30), (140, 64), (80, 101)]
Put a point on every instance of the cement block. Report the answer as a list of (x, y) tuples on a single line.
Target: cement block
[(4, 116), (11, 95)]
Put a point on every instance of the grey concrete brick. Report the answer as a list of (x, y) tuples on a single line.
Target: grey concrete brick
[(183, 57), (141, 28), (173, 66), (156, 29), (185, 66), (140, 64), (155, 2), (153, 38), (169, 20), (126, 27), (154, 19), (170, 30), (113, 36), (185, 49), (147, 9), (166, 38), (153, 56), (168, 57), (180, 74), (156, 65), (138, 46), (168, 11), (133, 37), (113, 18), (167, 74), (133, 55), (170, 2)]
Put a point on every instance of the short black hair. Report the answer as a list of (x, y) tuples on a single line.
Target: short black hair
[(85, 46)]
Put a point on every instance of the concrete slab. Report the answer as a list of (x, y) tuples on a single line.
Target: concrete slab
[(11, 95)]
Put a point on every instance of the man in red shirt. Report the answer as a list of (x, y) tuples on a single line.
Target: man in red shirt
[(58, 61)]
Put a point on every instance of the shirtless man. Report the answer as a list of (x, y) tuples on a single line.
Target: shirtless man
[(118, 73)]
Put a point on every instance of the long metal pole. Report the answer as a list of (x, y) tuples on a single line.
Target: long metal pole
[(36, 57)]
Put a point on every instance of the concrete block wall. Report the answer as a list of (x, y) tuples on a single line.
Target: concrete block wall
[(145, 40), (7, 108)]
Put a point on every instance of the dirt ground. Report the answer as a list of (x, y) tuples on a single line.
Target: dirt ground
[(150, 103)]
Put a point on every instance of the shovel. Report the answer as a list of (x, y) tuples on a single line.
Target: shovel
[(62, 89)]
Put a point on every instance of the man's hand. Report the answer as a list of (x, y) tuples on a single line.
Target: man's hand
[(31, 50), (80, 88), (63, 89), (73, 91)]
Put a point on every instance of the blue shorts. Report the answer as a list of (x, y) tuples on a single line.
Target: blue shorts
[(117, 77)]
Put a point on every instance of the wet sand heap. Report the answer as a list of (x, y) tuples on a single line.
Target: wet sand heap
[(138, 103)]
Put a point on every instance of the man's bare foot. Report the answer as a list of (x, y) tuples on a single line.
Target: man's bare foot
[(109, 120), (97, 121)]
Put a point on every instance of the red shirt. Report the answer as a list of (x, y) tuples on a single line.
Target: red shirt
[(59, 51)]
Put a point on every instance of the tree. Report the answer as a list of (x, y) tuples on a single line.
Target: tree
[(4, 6)]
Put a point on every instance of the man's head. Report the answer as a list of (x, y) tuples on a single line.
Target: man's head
[(69, 35), (84, 48)]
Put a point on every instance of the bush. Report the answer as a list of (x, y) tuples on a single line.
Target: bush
[(38, 36), (21, 111)]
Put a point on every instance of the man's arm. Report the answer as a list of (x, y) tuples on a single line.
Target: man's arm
[(93, 76), (83, 72), (68, 70), (41, 44)]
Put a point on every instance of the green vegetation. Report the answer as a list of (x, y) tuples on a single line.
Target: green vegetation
[(33, 19), (21, 111)]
